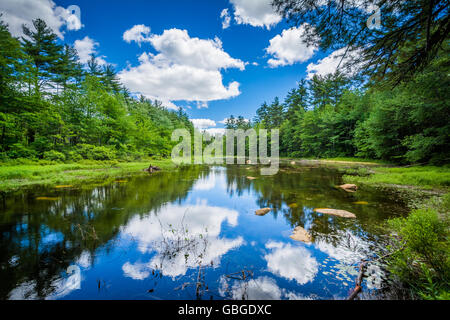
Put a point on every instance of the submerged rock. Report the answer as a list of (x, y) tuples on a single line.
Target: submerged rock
[(251, 178), (335, 212), (300, 234), (349, 187), (262, 212), (292, 162)]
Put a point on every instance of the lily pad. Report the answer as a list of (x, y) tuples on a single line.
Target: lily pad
[(47, 198), (363, 203)]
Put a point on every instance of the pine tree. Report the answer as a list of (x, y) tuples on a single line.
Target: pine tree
[(42, 47), (69, 70)]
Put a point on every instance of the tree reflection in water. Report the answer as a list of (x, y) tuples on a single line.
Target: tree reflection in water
[(190, 229)]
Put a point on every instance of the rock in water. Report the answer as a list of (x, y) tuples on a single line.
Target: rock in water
[(292, 162), (334, 212), (349, 187), (251, 178), (301, 234), (151, 168), (262, 212)]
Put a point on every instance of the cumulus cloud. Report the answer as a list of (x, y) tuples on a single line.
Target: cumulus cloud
[(139, 33), (85, 48), (203, 123), (257, 13), (176, 46), (330, 64), (292, 263), (19, 12), (184, 68), (226, 18), (289, 48)]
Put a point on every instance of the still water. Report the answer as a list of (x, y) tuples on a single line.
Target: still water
[(190, 234)]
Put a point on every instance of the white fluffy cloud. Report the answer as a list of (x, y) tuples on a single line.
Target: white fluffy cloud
[(177, 47), (184, 69), (289, 48), (203, 123), (330, 64), (19, 12), (139, 33), (257, 13), (292, 263), (226, 18), (85, 48)]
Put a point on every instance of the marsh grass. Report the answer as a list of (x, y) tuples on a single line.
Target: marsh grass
[(419, 250), (426, 177), (14, 176)]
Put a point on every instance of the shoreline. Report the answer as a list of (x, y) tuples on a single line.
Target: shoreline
[(427, 180), (23, 176)]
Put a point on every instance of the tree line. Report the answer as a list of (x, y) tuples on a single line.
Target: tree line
[(54, 107), (331, 116), (395, 105)]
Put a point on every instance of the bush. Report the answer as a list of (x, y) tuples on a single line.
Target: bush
[(420, 253), (18, 150), (74, 156), (54, 156), (92, 152)]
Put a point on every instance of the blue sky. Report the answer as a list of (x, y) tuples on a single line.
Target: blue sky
[(184, 52)]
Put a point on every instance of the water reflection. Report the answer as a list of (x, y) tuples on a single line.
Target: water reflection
[(157, 237), (182, 237), (261, 288), (292, 263)]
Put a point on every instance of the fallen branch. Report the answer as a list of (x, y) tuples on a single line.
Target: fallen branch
[(359, 280)]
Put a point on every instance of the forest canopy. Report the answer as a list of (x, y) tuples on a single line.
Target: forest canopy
[(53, 107), (394, 105)]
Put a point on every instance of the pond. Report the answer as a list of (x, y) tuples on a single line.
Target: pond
[(191, 234)]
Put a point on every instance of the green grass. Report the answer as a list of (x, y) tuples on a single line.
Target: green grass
[(342, 160), (347, 159), (16, 176), (426, 177)]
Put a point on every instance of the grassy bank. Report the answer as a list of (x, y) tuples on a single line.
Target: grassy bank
[(14, 176), (425, 177), (418, 254)]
